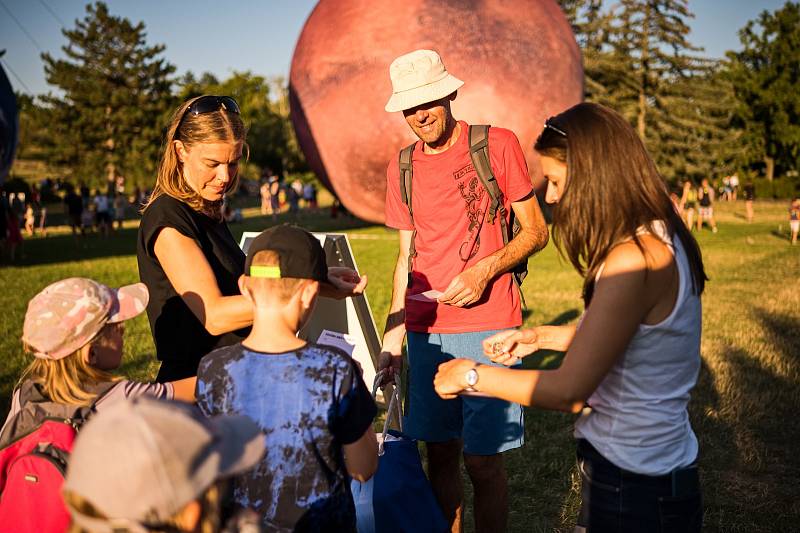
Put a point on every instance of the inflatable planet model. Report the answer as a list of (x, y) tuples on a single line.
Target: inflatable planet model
[(518, 59), (8, 125)]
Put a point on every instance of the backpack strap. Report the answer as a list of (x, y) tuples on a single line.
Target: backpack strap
[(406, 173), (479, 153)]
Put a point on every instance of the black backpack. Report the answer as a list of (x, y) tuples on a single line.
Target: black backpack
[(479, 153)]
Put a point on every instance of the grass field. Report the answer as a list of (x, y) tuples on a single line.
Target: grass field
[(743, 409)]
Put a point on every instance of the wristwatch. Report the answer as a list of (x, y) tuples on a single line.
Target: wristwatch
[(472, 377)]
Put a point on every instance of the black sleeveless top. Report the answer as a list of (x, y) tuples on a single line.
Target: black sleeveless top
[(181, 339)]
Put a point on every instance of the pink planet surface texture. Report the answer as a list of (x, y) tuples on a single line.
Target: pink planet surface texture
[(518, 59)]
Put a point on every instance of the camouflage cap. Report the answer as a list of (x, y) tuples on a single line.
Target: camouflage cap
[(69, 313)]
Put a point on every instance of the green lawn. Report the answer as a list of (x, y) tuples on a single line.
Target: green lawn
[(743, 409)]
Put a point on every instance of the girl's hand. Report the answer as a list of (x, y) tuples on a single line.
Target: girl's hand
[(508, 347), (451, 378)]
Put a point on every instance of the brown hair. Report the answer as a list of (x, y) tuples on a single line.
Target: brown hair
[(612, 190), (281, 288), (221, 125), (65, 380)]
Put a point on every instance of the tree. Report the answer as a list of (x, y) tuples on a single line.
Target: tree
[(593, 31), (766, 79), (114, 99), (638, 61)]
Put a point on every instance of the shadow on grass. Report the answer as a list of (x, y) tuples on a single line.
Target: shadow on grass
[(781, 235), (745, 420)]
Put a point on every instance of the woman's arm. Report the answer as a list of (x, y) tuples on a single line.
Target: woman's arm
[(192, 278), (628, 289), (508, 347)]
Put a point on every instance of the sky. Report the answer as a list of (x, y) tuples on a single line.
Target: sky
[(255, 35)]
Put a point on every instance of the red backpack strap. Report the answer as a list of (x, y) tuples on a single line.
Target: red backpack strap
[(406, 172)]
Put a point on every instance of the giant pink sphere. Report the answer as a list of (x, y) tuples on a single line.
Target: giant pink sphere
[(518, 59)]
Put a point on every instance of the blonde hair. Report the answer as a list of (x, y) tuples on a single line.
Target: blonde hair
[(221, 125), (280, 288), (210, 518), (65, 380)]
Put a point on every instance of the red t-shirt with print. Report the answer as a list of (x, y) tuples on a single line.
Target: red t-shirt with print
[(453, 231)]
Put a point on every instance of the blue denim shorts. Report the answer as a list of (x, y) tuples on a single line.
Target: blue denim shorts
[(487, 426)]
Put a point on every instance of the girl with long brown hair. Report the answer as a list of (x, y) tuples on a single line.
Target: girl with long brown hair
[(634, 356), (187, 256)]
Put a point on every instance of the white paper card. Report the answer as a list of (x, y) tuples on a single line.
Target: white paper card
[(343, 341), (427, 296)]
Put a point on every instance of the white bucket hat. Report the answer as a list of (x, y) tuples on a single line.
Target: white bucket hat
[(417, 78)]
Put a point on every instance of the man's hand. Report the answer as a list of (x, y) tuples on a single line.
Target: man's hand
[(451, 378), (392, 363), (343, 282), (508, 347), (466, 288)]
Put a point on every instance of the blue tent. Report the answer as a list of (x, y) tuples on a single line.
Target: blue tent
[(9, 125)]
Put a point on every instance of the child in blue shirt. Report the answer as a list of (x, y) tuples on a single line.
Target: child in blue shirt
[(308, 399)]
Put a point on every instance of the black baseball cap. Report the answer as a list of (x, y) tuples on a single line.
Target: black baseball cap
[(300, 255)]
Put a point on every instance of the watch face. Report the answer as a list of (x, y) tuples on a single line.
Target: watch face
[(472, 377)]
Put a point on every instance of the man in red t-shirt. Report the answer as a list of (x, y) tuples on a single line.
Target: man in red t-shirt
[(460, 254)]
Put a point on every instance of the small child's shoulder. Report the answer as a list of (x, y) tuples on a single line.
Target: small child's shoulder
[(219, 356)]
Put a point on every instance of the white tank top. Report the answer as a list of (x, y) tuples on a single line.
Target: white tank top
[(638, 418)]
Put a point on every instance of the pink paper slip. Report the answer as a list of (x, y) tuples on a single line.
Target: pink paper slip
[(427, 296)]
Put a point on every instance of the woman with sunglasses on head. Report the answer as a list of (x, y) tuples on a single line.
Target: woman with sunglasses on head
[(634, 357), (187, 256)]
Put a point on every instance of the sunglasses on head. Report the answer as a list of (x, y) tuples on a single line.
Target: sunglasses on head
[(547, 124), (211, 103)]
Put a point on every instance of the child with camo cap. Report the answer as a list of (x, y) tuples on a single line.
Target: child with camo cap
[(74, 330)]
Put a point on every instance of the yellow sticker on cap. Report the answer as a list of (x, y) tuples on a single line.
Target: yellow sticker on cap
[(257, 271)]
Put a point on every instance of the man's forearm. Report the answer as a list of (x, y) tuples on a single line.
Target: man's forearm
[(527, 242), (395, 329)]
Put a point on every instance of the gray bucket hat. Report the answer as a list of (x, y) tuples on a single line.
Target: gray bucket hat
[(141, 461)]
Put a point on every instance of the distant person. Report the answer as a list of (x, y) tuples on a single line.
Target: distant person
[(74, 206), (4, 213), (705, 196), (120, 204), (794, 218), (185, 251), (87, 220), (689, 203), (317, 413), (30, 219), (13, 234), (726, 189), (18, 206), (43, 219), (633, 359), (749, 197), (274, 196), (85, 194), (265, 197), (734, 184), (147, 465), (293, 195), (310, 195), (102, 213)]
